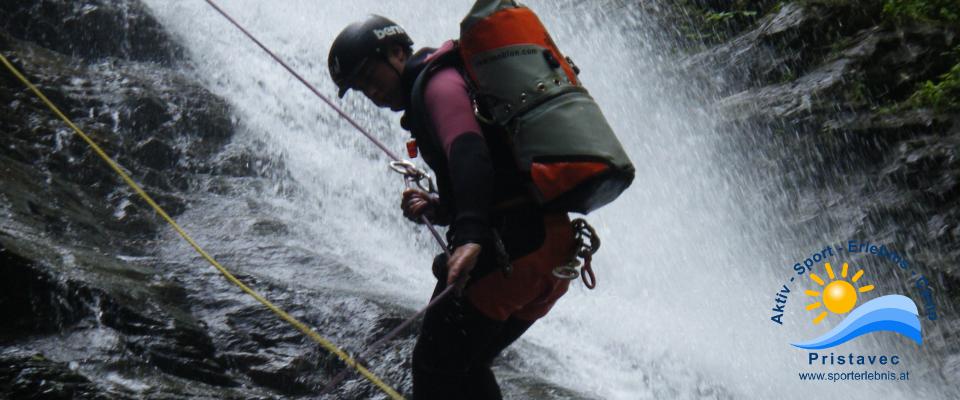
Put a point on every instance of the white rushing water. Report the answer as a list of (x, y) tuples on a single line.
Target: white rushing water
[(688, 270)]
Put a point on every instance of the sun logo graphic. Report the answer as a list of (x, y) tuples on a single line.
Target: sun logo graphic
[(894, 313), (839, 297)]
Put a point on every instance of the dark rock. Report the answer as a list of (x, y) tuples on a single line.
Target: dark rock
[(91, 29), (269, 228), (263, 327), (33, 302), (783, 45), (153, 153), (271, 353), (35, 377), (160, 336), (130, 321), (115, 118), (874, 134), (855, 78), (852, 153), (894, 126), (927, 163), (893, 60), (240, 164), (831, 108), (287, 378), (146, 114), (180, 359), (177, 345), (62, 204), (815, 91)]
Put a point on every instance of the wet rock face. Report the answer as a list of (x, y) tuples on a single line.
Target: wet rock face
[(853, 45), (826, 88), (877, 66), (155, 113), (90, 29), (70, 231), (34, 302), (89, 311), (35, 377), (91, 302), (782, 45)]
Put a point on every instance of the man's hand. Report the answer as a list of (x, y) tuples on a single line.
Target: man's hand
[(416, 202), (461, 263)]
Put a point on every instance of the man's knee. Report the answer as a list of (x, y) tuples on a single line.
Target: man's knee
[(436, 376), (439, 355)]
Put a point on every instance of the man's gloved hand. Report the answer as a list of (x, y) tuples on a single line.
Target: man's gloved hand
[(416, 202), (462, 261)]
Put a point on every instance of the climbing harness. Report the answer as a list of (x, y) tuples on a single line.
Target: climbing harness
[(586, 244)]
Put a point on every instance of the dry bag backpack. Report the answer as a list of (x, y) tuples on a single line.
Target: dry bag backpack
[(522, 83)]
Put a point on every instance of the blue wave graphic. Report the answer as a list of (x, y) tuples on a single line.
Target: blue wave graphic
[(894, 313)]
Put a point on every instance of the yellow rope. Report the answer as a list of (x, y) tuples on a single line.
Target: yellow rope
[(230, 277)]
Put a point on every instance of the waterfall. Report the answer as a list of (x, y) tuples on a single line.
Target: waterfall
[(691, 259)]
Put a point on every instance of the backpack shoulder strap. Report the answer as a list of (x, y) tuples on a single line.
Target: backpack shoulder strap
[(448, 59), (418, 115)]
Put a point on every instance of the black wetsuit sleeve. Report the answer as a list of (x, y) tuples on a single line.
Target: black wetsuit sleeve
[(472, 181), (469, 165)]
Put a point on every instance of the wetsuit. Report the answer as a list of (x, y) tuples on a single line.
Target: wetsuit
[(482, 198)]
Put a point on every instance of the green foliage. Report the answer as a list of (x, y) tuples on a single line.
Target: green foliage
[(789, 75), (947, 11), (705, 22), (724, 16), (859, 92), (942, 95)]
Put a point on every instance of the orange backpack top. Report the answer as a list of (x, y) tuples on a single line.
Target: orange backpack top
[(522, 82)]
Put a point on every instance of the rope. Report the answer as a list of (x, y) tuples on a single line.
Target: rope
[(313, 89), (326, 344), (386, 338), (411, 176)]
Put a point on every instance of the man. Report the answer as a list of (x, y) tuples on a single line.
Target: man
[(504, 244)]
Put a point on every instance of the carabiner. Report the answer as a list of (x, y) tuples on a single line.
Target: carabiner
[(568, 271), (413, 176)]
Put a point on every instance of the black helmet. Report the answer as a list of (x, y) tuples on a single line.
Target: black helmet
[(357, 42)]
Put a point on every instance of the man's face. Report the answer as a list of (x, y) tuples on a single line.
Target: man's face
[(381, 83)]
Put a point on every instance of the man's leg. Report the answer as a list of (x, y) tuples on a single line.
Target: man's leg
[(461, 336), (451, 340), (481, 383)]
